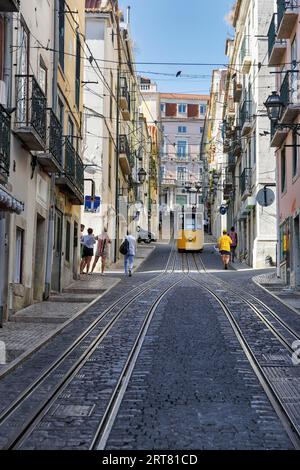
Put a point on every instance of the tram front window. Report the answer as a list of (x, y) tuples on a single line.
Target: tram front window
[(193, 222)]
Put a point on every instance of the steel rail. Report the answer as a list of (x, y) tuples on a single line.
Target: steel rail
[(33, 387)]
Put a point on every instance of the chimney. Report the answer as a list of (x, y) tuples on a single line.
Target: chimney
[(128, 14)]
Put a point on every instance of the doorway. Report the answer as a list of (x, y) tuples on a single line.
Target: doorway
[(39, 263), (57, 252), (296, 249), (75, 251)]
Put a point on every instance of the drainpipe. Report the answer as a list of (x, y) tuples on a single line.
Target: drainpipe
[(2, 264), (50, 239)]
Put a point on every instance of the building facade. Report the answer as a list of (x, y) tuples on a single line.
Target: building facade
[(41, 169), (181, 169), (250, 161), (284, 54)]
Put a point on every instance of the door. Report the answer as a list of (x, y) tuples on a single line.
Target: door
[(75, 250), (296, 250), (57, 252)]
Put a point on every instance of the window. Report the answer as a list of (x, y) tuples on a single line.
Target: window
[(254, 148), (202, 109), (181, 173), (110, 96), (43, 76), (78, 67), (109, 162), (201, 130), (162, 172), (181, 149), (61, 114), (163, 107), (23, 69), (70, 131), (2, 48), (295, 154), (182, 129), (19, 256), (182, 108), (283, 171), (61, 26), (68, 241)]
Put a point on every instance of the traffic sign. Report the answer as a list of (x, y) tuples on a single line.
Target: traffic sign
[(265, 197), (223, 210)]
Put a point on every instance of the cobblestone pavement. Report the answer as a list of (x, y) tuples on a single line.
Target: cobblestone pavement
[(192, 386)]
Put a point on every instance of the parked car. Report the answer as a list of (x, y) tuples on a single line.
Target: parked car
[(145, 236)]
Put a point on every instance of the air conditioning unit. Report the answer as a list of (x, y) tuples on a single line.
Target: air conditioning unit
[(3, 93)]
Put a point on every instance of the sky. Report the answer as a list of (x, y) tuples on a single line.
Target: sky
[(179, 31)]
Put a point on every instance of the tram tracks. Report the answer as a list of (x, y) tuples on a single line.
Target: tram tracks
[(41, 401), (283, 392)]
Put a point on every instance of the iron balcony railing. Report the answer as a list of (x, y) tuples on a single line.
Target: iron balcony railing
[(124, 145), (125, 92), (74, 170), (283, 5), (4, 141), (31, 104), (55, 136), (245, 181), (245, 113), (289, 90)]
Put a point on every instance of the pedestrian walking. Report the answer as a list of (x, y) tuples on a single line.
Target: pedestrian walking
[(102, 250), (82, 227), (234, 238), (88, 251), (128, 249), (224, 245)]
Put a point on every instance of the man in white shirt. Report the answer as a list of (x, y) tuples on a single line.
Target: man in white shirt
[(129, 257)]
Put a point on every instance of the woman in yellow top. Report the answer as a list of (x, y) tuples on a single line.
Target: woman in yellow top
[(224, 245)]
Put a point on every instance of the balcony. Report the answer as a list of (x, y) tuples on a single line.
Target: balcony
[(228, 185), (277, 47), (124, 155), (237, 91), (31, 120), (278, 136), (231, 162), (290, 98), (51, 159), (246, 183), (71, 181), (288, 12), (246, 118), (167, 182), (9, 5), (125, 99), (4, 144), (246, 60)]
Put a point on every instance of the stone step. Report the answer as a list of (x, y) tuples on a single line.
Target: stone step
[(73, 298), (83, 290)]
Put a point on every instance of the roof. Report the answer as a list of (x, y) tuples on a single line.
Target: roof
[(96, 6), (183, 96)]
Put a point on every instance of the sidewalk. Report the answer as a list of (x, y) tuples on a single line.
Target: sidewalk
[(237, 265), (276, 287), (30, 328)]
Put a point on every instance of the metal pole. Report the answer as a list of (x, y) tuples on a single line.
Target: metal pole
[(117, 169)]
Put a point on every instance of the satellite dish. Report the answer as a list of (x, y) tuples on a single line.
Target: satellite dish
[(265, 197)]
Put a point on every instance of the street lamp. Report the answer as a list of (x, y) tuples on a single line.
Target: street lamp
[(142, 175), (275, 106)]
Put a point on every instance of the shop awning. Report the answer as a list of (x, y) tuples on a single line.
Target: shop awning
[(8, 203)]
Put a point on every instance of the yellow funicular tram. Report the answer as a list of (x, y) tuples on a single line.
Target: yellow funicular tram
[(189, 228)]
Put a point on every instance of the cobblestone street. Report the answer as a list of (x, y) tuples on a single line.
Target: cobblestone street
[(157, 363)]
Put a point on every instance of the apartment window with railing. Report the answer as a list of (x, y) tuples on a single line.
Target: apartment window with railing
[(182, 149), (61, 26), (182, 173), (182, 130), (162, 172), (283, 170)]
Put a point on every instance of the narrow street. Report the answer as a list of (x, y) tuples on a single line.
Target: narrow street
[(174, 357)]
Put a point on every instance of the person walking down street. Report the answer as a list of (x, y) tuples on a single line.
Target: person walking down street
[(102, 250), (129, 250), (224, 245), (234, 238), (88, 251), (82, 227)]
